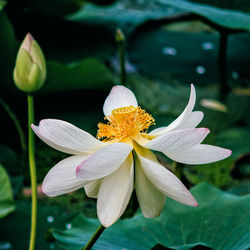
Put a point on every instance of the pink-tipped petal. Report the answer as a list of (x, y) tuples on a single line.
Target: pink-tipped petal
[(115, 192), (150, 199), (67, 138), (200, 154), (119, 97), (166, 182), (103, 162), (178, 140), (61, 178)]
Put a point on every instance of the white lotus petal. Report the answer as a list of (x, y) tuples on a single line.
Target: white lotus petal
[(115, 192), (150, 199), (92, 188), (179, 121), (200, 154), (192, 121), (65, 137), (103, 162), (61, 178), (166, 182), (119, 97), (178, 140)]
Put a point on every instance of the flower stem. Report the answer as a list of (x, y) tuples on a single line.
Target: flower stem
[(32, 165), (94, 238), (222, 67), (120, 39), (17, 124)]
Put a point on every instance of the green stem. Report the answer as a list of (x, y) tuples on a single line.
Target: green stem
[(222, 66), (122, 63), (16, 122), (32, 165), (94, 238), (120, 39)]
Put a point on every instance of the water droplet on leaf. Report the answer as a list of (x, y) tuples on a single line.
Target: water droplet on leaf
[(50, 219), (200, 70), (169, 51), (235, 75), (207, 46), (5, 245), (68, 226)]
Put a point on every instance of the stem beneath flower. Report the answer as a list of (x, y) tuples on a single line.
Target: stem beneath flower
[(222, 66), (94, 238), (17, 124), (32, 165)]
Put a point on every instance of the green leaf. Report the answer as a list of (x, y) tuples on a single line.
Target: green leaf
[(121, 14), (243, 5), (216, 173), (6, 199), (8, 52), (86, 74), (221, 222), (167, 99), (226, 18), (161, 54), (240, 188), (2, 4), (15, 228), (172, 99), (236, 139)]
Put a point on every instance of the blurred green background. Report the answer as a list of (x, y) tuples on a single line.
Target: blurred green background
[(169, 44)]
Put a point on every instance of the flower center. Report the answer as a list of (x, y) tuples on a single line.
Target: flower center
[(123, 123)]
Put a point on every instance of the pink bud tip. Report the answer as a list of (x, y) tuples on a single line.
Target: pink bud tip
[(26, 44), (30, 37)]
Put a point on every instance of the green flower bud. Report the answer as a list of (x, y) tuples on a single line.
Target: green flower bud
[(119, 36), (30, 68)]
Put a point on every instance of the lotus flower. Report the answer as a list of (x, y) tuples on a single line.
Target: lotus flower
[(120, 159)]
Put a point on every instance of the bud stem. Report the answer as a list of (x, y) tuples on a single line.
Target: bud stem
[(32, 165), (94, 238), (120, 39)]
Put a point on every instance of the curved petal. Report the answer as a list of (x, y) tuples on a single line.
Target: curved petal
[(65, 137), (180, 121), (92, 188), (192, 121), (119, 97), (200, 154), (61, 178), (150, 199), (115, 192), (166, 182), (103, 162), (178, 140)]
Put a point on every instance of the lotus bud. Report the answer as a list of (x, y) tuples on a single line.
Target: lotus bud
[(30, 68), (119, 36)]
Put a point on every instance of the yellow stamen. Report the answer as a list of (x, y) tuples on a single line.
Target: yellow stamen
[(126, 122)]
